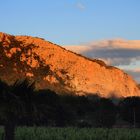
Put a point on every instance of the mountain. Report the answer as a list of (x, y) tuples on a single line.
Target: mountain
[(63, 71)]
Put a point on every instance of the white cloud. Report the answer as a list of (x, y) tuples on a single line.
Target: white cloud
[(78, 49), (114, 52), (80, 6), (136, 70)]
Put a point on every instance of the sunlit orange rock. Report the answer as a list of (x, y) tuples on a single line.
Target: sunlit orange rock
[(54, 67)]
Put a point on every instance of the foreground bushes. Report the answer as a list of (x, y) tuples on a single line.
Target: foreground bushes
[(22, 105)]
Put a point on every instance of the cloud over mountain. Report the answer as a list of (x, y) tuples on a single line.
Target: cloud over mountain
[(117, 52), (114, 52)]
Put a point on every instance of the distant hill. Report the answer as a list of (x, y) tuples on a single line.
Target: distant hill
[(63, 71)]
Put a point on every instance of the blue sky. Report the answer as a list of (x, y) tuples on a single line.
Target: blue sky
[(80, 23), (71, 21)]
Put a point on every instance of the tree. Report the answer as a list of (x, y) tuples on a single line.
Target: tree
[(48, 106), (16, 101), (130, 110), (105, 113), (7, 99), (71, 109)]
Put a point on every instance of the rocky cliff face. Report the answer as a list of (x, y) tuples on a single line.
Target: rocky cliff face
[(54, 67)]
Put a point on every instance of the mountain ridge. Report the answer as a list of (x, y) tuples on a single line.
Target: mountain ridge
[(102, 63), (54, 67)]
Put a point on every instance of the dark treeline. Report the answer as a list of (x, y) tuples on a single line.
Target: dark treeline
[(21, 104)]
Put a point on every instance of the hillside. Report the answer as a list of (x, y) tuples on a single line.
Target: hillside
[(54, 67)]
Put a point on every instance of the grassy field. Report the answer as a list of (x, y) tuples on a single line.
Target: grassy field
[(41, 133)]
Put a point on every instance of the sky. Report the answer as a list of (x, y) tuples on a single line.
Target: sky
[(105, 29)]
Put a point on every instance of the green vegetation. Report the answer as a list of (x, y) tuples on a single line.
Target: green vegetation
[(42, 133)]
